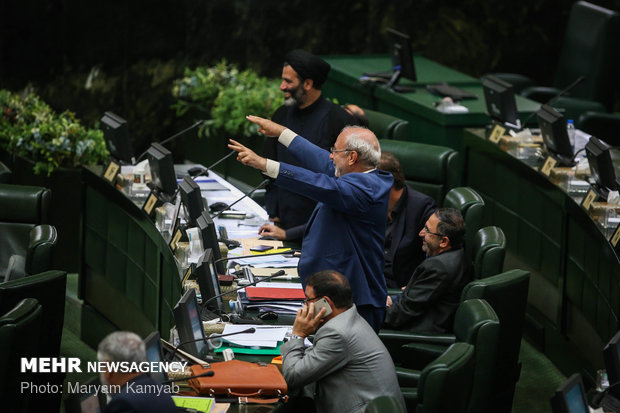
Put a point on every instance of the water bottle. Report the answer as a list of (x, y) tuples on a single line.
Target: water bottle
[(570, 129)]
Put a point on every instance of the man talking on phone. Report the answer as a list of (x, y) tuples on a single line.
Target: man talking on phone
[(348, 365)]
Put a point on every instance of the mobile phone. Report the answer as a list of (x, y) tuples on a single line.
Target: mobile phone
[(261, 248), (322, 303)]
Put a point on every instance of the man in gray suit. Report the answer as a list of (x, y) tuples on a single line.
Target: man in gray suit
[(348, 364)]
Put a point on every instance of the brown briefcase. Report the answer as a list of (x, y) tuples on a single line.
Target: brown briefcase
[(236, 378)]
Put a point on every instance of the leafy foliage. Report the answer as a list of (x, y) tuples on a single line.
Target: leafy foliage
[(225, 96), (31, 129)]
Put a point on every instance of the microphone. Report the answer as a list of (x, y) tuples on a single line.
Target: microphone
[(165, 141), (207, 169), (276, 274), (205, 374), (559, 94), (257, 187), (206, 340)]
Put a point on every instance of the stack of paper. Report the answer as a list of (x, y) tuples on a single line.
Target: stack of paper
[(283, 298), (264, 336)]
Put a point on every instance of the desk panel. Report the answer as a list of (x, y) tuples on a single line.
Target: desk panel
[(574, 297)]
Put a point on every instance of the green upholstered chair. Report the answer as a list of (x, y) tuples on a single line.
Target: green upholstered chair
[(471, 205), (21, 209), (20, 329), (589, 50), (38, 254), (429, 169), (488, 250), (604, 126), (507, 294), (386, 126), (445, 384), (384, 404), (49, 288), (475, 323)]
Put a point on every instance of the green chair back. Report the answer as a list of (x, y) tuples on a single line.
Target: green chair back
[(507, 294), (20, 329), (384, 404), (445, 384), (590, 49), (488, 251), (604, 126), (471, 205), (386, 126), (429, 169), (49, 288)]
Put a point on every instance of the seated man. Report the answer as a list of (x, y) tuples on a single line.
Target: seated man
[(138, 393), (428, 303), (348, 364), (408, 210)]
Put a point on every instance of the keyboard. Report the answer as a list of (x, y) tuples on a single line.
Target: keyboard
[(207, 315)]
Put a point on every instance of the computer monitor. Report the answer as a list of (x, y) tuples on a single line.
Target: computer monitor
[(570, 397), (189, 326), (208, 236), (601, 166), (501, 102), (192, 199), (153, 355), (611, 355), (208, 282), (555, 137), (116, 136), (161, 163), (402, 56)]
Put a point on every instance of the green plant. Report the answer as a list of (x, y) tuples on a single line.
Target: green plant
[(31, 129), (225, 96)]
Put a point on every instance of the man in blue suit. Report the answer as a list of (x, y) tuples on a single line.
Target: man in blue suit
[(347, 228)]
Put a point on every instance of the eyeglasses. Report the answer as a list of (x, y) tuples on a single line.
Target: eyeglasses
[(309, 300), (332, 150), (428, 231)]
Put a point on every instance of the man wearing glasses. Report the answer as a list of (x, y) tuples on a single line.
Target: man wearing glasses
[(348, 364), (347, 227), (429, 301)]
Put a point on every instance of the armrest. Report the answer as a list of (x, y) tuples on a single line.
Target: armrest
[(414, 350), (405, 337), (407, 377), (410, 394), (40, 248)]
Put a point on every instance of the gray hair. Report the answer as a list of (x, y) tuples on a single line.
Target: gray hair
[(122, 346), (358, 141)]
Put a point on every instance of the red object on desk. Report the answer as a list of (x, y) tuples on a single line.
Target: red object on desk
[(265, 293)]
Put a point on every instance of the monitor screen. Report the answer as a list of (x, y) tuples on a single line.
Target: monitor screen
[(555, 137), (500, 101), (153, 354), (192, 199), (402, 57), (161, 163), (570, 397), (601, 164), (208, 282), (189, 326), (208, 236), (116, 136)]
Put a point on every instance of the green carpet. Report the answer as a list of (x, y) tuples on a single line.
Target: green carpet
[(539, 379)]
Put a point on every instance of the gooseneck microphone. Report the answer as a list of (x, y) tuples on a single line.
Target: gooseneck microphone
[(559, 94), (176, 135), (257, 187), (205, 374), (209, 168), (250, 330)]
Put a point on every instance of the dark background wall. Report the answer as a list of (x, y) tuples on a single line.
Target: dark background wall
[(92, 56)]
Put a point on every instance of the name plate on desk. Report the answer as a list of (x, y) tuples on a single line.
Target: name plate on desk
[(150, 203), (548, 166), (497, 133), (110, 171), (175, 238), (588, 199)]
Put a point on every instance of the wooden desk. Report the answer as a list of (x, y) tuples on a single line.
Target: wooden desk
[(574, 297), (426, 124)]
